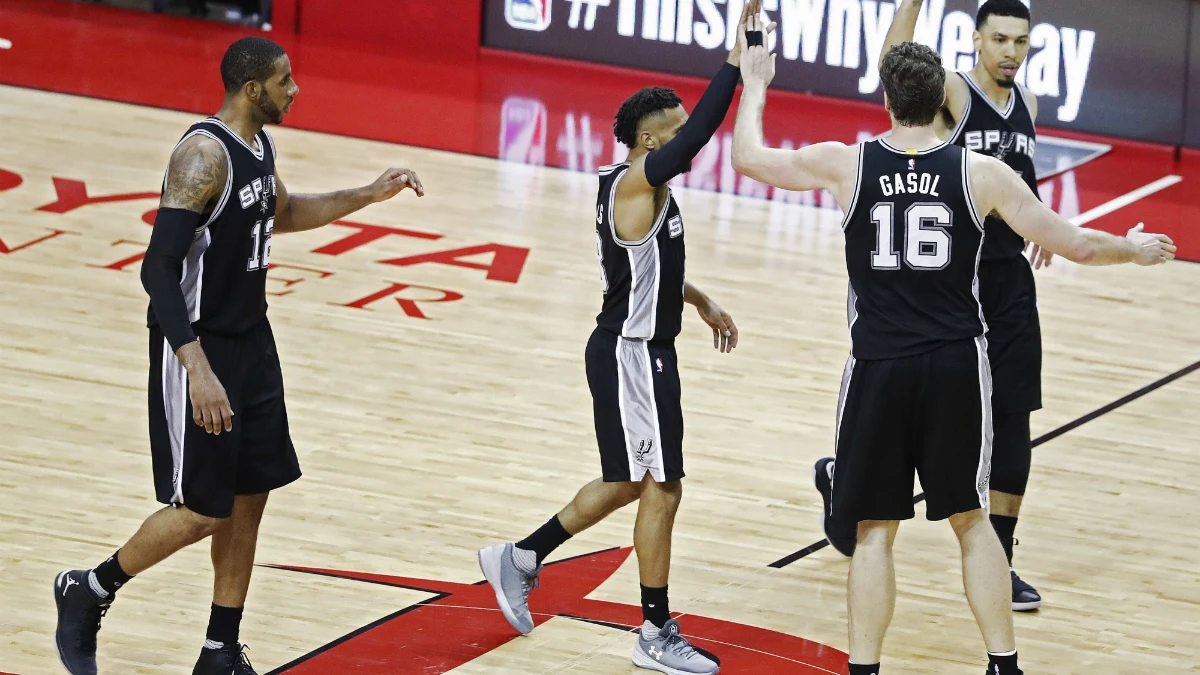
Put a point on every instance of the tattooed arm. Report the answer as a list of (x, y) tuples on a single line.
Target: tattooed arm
[(196, 177)]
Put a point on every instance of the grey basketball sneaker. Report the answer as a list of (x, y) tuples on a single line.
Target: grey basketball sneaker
[(670, 653), (79, 614), (512, 585)]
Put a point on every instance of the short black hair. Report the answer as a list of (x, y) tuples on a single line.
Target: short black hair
[(1013, 8), (250, 59), (647, 102), (915, 82)]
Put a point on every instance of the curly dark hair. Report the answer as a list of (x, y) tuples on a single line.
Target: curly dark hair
[(647, 102), (915, 82), (250, 59), (1013, 8)]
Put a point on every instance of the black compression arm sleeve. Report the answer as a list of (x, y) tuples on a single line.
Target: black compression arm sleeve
[(162, 270), (673, 158)]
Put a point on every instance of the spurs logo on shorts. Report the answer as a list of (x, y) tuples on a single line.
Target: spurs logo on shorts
[(644, 454)]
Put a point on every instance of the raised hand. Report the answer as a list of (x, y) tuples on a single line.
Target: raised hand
[(1151, 249), (757, 63), (393, 182)]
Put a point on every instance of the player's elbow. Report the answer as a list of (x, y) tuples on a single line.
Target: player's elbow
[(1084, 252), (744, 162)]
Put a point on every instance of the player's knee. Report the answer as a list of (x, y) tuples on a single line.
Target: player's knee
[(199, 526), (1012, 454), (963, 523), (666, 495), (877, 533)]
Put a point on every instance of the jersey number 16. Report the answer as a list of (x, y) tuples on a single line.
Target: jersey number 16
[(926, 239)]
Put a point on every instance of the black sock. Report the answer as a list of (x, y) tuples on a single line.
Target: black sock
[(547, 538), (655, 607), (1005, 664), (224, 624), (856, 669), (1005, 526), (109, 575)]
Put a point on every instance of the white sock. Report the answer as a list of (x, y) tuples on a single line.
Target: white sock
[(1012, 653), (650, 631), (210, 644), (95, 586), (526, 561)]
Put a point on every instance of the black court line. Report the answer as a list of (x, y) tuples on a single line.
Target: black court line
[(1068, 427)]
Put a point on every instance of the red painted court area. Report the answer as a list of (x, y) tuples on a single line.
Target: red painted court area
[(513, 107)]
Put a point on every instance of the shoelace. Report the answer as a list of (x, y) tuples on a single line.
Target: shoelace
[(243, 665), (87, 641), (531, 583)]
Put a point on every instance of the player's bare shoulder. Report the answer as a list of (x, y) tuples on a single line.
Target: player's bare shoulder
[(197, 174), (838, 164)]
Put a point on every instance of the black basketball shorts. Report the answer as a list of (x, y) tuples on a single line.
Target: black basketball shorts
[(1009, 298), (929, 415), (202, 471), (636, 404)]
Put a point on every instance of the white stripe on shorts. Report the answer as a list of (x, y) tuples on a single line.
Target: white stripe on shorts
[(639, 411), (847, 375), (983, 475), (174, 393)]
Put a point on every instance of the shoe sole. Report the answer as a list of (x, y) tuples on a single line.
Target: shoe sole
[(645, 662), (489, 564), (58, 605), (1026, 606)]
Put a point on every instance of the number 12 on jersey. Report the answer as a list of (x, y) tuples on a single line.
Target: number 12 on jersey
[(260, 255), (926, 240)]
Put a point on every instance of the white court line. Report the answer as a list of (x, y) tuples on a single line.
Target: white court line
[(1125, 200)]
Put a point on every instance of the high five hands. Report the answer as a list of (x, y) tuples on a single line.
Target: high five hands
[(757, 62), (751, 11)]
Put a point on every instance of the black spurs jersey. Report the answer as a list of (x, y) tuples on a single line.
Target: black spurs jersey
[(913, 241), (1010, 136), (225, 272), (643, 280)]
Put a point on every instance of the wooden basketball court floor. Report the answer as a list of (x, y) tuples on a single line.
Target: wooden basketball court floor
[(423, 439)]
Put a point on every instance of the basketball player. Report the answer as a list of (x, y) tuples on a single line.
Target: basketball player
[(631, 365), (212, 355), (987, 111), (916, 393)]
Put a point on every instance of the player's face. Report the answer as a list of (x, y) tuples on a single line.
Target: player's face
[(277, 93), (1003, 44)]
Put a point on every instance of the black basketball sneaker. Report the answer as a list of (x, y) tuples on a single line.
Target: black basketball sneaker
[(1025, 598), (228, 660), (841, 535), (79, 614)]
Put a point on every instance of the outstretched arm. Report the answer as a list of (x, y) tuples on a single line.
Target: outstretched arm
[(1000, 189), (904, 29), (300, 212), (725, 333), (904, 26), (809, 168), (675, 158)]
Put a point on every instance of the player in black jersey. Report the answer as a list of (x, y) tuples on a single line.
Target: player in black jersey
[(916, 394), (987, 111), (218, 425), (631, 365)]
